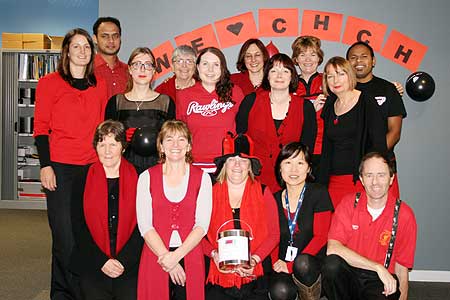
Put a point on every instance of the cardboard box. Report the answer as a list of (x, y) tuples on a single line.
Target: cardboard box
[(35, 41), (56, 42), (12, 40)]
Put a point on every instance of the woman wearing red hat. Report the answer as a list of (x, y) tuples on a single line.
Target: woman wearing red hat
[(238, 195)]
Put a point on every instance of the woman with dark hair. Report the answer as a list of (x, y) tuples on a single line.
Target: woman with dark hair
[(275, 116), (353, 126), (304, 211), (183, 66), (239, 196), (250, 64), (307, 54), (70, 104), (209, 107), (173, 211), (141, 107), (107, 240)]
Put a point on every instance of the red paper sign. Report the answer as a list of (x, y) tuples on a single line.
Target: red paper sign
[(360, 30), (198, 39), (404, 51), (278, 22), (324, 25), (236, 30), (163, 59)]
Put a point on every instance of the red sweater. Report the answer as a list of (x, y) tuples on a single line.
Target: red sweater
[(242, 80), (207, 118), (168, 88), (69, 117)]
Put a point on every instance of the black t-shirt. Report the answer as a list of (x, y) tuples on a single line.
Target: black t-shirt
[(342, 133), (386, 96)]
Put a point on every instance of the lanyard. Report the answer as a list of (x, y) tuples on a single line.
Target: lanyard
[(293, 222)]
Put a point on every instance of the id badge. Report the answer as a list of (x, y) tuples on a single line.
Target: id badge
[(291, 253)]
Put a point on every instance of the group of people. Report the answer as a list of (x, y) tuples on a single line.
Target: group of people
[(304, 161)]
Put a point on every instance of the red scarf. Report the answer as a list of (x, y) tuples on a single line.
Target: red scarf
[(95, 205), (253, 212)]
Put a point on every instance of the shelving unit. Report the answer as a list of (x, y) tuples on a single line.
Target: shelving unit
[(19, 163)]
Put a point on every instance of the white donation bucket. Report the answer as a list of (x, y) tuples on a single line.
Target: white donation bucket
[(233, 247)]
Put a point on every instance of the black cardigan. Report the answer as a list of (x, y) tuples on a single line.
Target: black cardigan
[(370, 136)]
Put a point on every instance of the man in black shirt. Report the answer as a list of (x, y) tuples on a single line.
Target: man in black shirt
[(362, 59)]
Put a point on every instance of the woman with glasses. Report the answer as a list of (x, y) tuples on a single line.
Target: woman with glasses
[(209, 107), (141, 107), (183, 65), (251, 60)]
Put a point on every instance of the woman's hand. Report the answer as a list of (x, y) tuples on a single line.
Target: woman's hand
[(215, 257), (280, 266), (319, 102), (168, 261), (177, 275), (113, 268), (399, 87), (48, 178)]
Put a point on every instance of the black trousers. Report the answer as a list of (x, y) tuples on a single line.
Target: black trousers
[(63, 284), (342, 281), (106, 288)]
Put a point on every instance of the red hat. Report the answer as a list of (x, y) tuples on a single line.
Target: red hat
[(238, 145)]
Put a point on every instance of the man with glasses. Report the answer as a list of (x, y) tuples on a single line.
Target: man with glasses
[(107, 36), (372, 239)]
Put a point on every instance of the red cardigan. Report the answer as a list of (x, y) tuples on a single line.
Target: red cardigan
[(69, 117), (255, 119)]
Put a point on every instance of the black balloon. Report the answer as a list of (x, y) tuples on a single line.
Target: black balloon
[(143, 141), (420, 86)]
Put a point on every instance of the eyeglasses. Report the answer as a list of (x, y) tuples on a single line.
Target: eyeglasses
[(137, 65), (187, 61)]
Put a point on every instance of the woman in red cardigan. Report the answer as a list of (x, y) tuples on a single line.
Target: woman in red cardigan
[(238, 195), (304, 211), (70, 104), (275, 116)]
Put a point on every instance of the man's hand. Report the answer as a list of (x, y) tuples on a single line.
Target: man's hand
[(390, 284)]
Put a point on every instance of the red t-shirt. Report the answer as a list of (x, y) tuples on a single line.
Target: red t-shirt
[(242, 80), (69, 117), (116, 78), (208, 119), (354, 228)]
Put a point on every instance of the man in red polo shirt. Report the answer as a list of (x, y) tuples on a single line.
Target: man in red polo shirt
[(358, 265), (107, 36)]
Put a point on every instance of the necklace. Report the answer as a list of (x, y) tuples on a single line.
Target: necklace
[(138, 106)]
